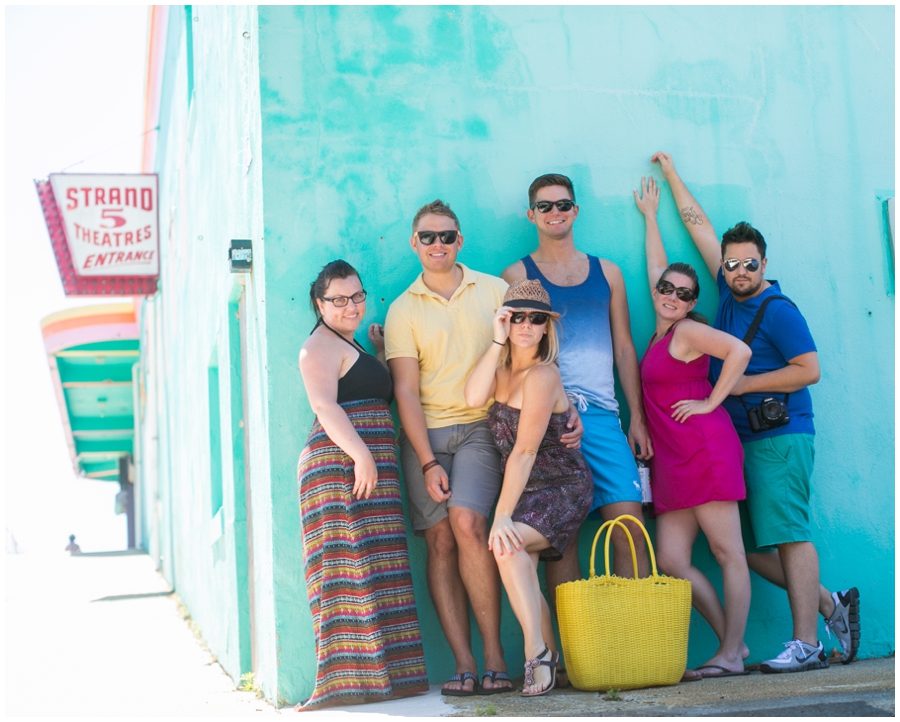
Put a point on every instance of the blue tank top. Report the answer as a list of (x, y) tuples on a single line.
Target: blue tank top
[(586, 351)]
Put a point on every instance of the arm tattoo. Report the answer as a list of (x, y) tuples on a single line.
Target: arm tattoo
[(689, 215)]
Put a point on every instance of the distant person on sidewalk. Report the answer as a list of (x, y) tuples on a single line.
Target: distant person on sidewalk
[(358, 580), (73, 548), (771, 408)]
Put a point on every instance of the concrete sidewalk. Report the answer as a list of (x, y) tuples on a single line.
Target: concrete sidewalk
[(97, 636), (101, 636)]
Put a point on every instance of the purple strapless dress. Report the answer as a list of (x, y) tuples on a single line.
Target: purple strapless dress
[(558, 495)]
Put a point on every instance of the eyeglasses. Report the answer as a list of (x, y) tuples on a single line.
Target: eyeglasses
[(341, 301), (448, 238), (544, 206), (751, 264), (537, 318), (667, 288)]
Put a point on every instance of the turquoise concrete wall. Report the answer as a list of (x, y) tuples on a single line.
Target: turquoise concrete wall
[(210, 192), (781, 116)]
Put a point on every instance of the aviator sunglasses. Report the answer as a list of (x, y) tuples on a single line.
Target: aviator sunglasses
[(751, 264), (426, 238), (544, 206), (666, 288), (341, 301), (535, 318)]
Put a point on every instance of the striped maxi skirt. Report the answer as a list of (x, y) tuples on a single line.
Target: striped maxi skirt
[(368, 644)]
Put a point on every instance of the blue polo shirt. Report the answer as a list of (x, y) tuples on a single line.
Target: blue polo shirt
[(782, 335)]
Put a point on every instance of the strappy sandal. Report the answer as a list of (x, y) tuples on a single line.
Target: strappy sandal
[(462, 691), (496, 677), (533, 664)]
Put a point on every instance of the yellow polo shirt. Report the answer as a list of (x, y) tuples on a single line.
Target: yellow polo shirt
[(447, 338)]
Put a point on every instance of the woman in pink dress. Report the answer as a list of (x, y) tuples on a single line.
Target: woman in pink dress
[(696, 471)]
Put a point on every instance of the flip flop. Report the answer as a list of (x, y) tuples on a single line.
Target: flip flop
[(462, 692), (695, 675), (722, 672), (559, 682), (532, 664), (495, 677)]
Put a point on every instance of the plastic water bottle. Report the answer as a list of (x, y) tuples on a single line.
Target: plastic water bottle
[(646, 491)]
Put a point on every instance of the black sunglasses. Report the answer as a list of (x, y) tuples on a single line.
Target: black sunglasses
[(544, 206), (751, 264), (536, 318), (446, 237), (341, 301), (667, 288)]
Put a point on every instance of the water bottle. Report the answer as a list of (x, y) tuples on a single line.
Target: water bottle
[(646, 491)]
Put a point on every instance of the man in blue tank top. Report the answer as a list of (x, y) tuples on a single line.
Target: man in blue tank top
[(778, 447), (589, 292)]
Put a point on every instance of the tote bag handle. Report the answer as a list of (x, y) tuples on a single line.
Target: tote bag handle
[(618, 522)]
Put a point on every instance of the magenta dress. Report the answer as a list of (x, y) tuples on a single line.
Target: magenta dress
[(700, 460)]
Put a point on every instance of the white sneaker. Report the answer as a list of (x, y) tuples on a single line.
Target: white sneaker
[(844, 622), (797, 657)]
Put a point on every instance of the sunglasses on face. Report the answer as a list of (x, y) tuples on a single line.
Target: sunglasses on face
[(545, 206), (751, 264), (426, 238), (535, 319), (341, 301), (667, 288)]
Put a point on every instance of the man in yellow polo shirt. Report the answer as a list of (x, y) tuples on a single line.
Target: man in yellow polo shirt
[(434, 334)]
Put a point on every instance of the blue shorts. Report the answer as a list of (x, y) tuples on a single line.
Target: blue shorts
[(607, 453)]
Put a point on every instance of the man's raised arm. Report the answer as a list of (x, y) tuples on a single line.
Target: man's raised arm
[(695, 220)]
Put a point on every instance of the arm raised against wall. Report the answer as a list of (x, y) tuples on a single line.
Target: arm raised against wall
[(648, 204), (702, 232)]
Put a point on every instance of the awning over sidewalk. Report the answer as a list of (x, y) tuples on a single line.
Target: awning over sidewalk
[(91, 351)]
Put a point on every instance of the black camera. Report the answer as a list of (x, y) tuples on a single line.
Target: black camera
[(769, 414)]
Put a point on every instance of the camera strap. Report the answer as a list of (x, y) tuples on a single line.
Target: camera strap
[(754, 327)]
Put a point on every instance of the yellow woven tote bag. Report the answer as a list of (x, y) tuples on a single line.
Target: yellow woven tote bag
[(624, 633)]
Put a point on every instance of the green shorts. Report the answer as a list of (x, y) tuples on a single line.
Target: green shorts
[(777, 472)]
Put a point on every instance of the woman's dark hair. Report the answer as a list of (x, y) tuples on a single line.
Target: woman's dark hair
[(686, 269), (336, 269)]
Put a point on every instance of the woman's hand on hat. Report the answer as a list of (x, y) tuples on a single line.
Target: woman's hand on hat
[(501, 324)]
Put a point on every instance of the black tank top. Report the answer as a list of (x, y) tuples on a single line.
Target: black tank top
[(366, 378)]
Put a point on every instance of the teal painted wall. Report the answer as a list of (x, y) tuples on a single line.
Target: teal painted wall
[(210, 192), (353, 117), (782, 116)]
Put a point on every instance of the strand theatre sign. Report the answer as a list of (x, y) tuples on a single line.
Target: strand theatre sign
[(104, 228)]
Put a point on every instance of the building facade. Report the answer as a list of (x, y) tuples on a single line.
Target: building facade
[(317, 132)]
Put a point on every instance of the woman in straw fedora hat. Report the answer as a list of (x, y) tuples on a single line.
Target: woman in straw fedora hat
[(547, 488)]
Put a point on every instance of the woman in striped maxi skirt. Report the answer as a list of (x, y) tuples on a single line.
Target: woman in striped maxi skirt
[(368, 644)]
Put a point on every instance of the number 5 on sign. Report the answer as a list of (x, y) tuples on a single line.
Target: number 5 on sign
[(110, 214)]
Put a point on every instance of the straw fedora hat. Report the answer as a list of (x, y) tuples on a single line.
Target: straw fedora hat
[(528, 295)]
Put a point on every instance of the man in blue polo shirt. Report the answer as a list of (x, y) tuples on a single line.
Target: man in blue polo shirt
[(772, 411)]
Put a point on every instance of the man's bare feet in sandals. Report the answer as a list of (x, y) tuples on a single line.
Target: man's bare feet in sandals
[(493, 682), (461, 684)]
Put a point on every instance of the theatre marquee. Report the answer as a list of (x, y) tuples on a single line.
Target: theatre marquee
[(104, 229)]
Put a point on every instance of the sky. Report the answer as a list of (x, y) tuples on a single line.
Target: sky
[(75, 80)]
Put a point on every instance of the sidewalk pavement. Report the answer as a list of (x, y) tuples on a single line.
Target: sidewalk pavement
[(101, 636)]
